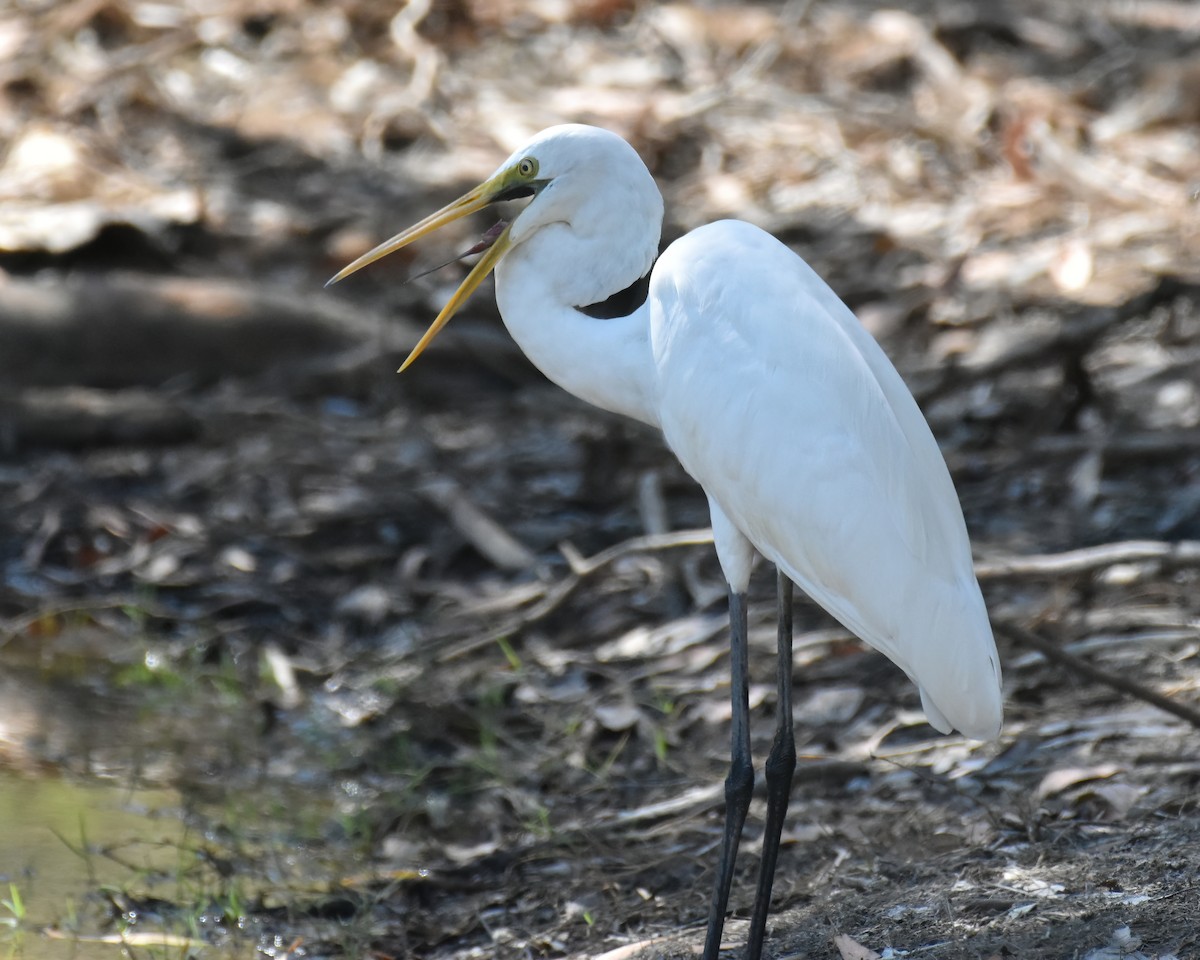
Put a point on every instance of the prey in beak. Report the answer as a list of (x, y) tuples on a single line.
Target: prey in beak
[(489, 238), (512, 183)]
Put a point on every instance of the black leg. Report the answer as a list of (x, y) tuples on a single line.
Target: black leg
[(739, 785), (781, 764)]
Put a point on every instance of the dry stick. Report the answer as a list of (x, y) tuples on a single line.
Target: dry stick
[(581, 567), (1184, 552), (1090, 558), (1053, 652), (1147, 443), (480, 529), (11, 629)]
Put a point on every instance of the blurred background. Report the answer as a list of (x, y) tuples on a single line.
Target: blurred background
[(302, 657)]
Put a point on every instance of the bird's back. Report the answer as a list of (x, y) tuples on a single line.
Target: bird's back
[(796, 424)]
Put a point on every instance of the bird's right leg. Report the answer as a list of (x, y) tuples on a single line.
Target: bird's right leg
[(739, 785), (781, 765)]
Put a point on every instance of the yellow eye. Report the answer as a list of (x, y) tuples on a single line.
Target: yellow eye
[(527, 168)]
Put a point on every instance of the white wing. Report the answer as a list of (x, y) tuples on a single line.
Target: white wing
[(801, 431)]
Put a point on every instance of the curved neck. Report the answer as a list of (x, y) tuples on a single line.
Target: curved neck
[(607, 362)]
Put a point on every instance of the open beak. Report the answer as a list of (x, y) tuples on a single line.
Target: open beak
[(477, 199)]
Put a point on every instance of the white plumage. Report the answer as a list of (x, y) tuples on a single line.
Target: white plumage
[(808, 442), (776, 400)]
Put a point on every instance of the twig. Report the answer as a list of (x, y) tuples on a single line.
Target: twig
[(581, 568), (1052, 564), (1148, 443), (1053, 652), (1090, 558), (482, 531), (652, 506), (654, 541), (1114, 449), (82, 416), (10, 629)]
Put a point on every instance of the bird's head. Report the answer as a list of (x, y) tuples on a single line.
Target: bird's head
[(584, 176)]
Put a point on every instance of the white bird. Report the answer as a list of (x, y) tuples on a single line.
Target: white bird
[(810, 448)]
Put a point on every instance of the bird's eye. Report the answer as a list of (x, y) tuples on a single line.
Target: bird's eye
[(527, 167)]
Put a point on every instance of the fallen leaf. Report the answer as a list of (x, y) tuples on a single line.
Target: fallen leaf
[(829, 706), (1116, 798), (618, 717), (463, 854), (1072, 269), (851, 949), (631, 950), (1056, 781)]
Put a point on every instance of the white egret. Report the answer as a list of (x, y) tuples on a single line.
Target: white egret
[(810, 448)]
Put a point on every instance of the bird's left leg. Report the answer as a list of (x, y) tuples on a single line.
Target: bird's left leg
[(737, 559), (781, 764)]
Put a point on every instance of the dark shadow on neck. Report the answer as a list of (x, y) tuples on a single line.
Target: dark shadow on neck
[(623, 302)]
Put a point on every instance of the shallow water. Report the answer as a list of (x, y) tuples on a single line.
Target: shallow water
[(145, 810), (62, 842)]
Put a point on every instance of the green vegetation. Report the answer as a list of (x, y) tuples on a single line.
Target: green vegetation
[(14, 907)]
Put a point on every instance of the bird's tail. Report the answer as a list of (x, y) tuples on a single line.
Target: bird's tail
[(957, 668)]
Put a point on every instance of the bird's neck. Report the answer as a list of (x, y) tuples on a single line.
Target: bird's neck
[(606, 361)]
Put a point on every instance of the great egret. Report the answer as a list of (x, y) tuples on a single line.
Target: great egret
[(810, 448)]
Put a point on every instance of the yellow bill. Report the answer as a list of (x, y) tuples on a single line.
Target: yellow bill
[(497, 188), (490, 258)]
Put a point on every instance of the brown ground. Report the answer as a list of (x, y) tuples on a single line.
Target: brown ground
[(210, 470)]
